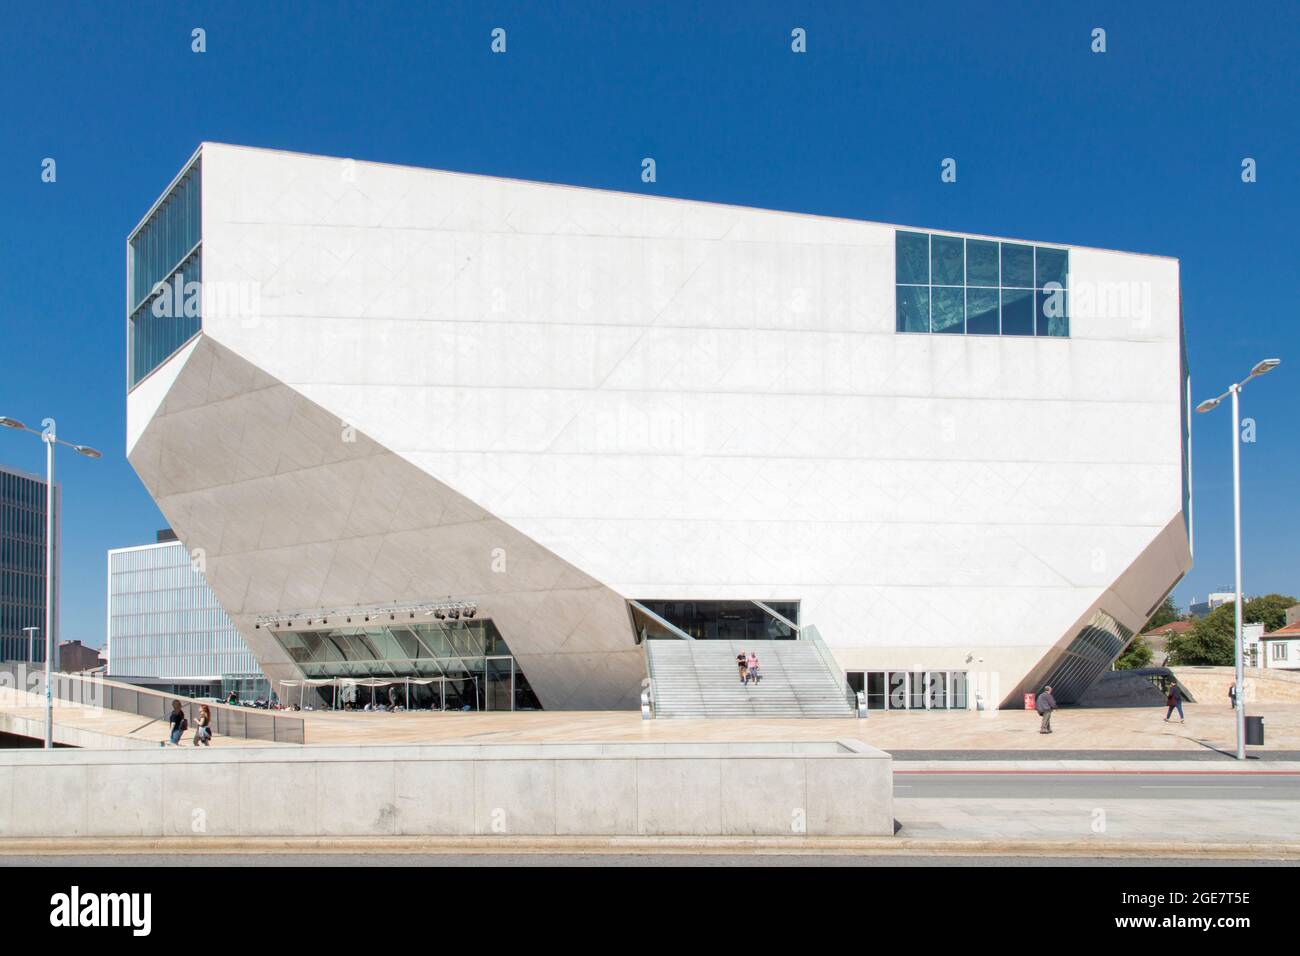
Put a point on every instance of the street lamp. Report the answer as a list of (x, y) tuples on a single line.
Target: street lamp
[(1210, 404), (50, 437)]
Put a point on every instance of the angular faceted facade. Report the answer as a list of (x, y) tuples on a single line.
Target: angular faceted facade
[(568, 407)]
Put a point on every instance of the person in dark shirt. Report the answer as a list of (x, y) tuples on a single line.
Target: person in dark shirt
[(743, 664), (1045, 704), (178, 722), (1174, 700)]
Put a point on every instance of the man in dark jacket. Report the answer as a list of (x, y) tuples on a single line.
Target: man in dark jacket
[(1174, 699), (1046, 703)]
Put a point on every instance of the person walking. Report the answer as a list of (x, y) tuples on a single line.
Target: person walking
[(1045, 704), (1174, 700), (1232, 695), (178, 722), (752, 667), (203, 730), (743, 665)]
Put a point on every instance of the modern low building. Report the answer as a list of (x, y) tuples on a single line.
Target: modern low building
[(22, 565), (166, 629), (374, 395)]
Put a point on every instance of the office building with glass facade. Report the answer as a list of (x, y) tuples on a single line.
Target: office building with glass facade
[(601, 418), (166, 629), (22, 565)]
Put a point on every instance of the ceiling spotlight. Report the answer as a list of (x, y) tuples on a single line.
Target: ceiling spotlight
[(440, 614), (453, 614), (469, 611)]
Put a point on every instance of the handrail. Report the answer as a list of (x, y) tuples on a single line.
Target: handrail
[(249, 723), (809, 632)]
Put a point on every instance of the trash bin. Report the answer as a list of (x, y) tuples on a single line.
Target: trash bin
[(1255, 731)]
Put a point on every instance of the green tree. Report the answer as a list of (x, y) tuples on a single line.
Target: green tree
[(1270, 608), (1137, 654), (1209, 642), (1166, 613)]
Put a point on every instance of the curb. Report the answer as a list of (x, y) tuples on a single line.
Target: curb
[(704, 846)]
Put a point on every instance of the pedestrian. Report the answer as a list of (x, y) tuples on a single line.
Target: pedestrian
[(203, 732), (1045, 704), (752, 661), (1232, 695), (233, 699), (1174, 700), (178, 722), (743, 666)]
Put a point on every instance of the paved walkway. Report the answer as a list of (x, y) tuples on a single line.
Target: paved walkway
[(1208, 730)]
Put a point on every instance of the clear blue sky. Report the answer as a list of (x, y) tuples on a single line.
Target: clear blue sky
[(1138, 149)]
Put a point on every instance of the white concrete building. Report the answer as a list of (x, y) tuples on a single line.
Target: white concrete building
[(591, 417)]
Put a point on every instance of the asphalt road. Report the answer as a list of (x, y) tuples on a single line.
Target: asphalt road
[(1110, 786)]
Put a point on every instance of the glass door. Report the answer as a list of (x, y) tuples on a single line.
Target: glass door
[(876, 690), (897, 690)]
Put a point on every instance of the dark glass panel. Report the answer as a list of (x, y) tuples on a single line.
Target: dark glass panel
[(1017, 312), (913, 308), (1017, 265), (1053, 312), (949, 310), (981, 262), (912, 258), (982, 312), (947, 260), (1051, 265)]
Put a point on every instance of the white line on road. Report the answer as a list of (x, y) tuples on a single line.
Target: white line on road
[(1212, 786)]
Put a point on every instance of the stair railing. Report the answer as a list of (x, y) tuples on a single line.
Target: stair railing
[(810, 633)]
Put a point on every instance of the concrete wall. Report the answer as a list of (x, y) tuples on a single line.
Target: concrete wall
[(794, 789), (1210, 684)]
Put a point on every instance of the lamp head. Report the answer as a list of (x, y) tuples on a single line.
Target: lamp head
[(87, 451), (1264, 367), (8, 422), (1208, 405)]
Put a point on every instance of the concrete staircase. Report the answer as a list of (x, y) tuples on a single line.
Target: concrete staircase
[(700, 679)]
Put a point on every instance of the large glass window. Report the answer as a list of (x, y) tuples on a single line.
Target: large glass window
[(165, 249), (441, 664), (951, 284), (718, 620)]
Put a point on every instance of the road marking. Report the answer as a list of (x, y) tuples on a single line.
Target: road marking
[(1190, 786)]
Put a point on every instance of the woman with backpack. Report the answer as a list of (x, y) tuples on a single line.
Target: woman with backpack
[(203, 733), (1174, 699)]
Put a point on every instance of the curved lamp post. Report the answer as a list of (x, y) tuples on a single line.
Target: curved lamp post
[(49, 435), (1209, 405)]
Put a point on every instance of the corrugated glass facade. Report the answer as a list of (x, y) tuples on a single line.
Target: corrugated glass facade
[(22, 564), (165, 246), (164, 622)]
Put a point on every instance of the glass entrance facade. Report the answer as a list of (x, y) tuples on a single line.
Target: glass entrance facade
[(911, 690), (452, 664), (718, 620)]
